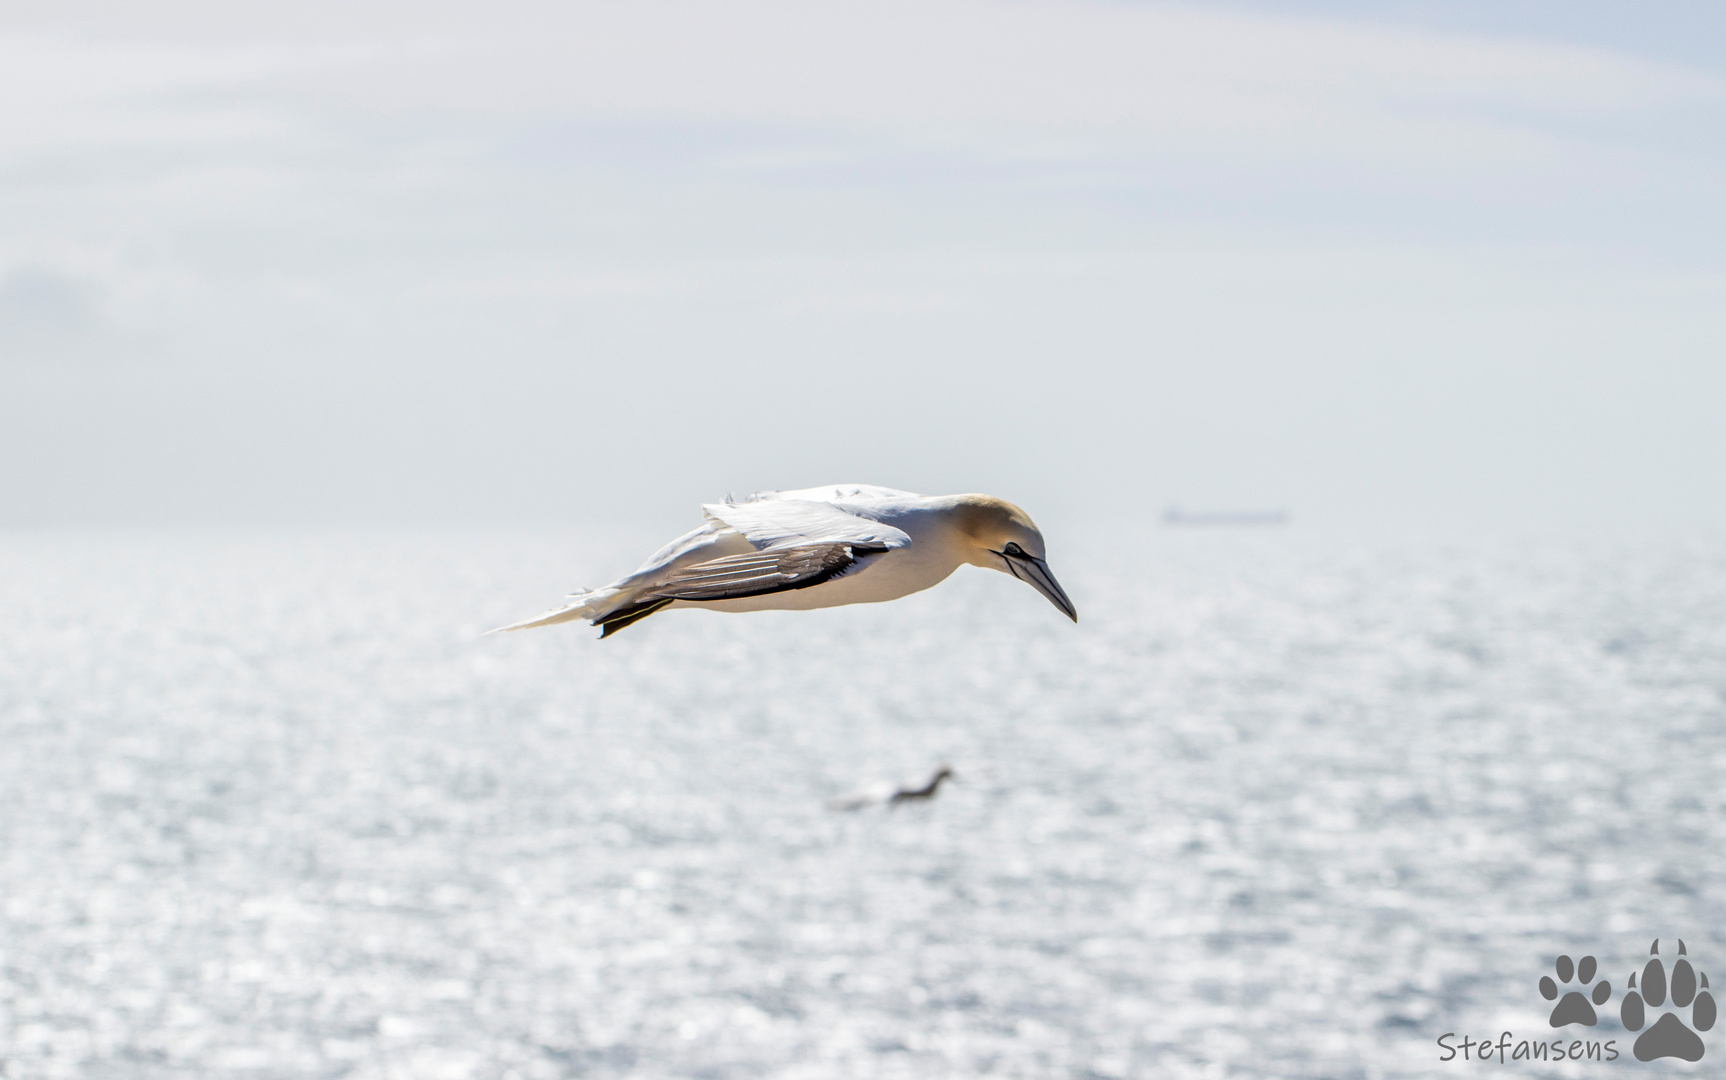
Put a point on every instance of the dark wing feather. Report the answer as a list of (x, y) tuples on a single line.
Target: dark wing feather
[(754, 574), (762, 572), (624, 616)]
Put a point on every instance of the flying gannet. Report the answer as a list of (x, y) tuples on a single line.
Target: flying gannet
[(820, 547)]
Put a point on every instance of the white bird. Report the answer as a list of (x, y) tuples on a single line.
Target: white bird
[(820, 547)]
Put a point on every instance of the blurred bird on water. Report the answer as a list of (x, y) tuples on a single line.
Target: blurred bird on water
[(892, 798)]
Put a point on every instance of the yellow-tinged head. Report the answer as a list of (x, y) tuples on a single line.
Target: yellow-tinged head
[(1003, 537)]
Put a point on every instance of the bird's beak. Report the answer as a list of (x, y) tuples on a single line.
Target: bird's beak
[(1035, 572)]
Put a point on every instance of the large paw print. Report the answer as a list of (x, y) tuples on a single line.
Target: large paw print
[(1574, 1008), (1669, 1037)]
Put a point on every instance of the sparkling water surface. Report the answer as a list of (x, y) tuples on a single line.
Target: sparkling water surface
[(1282, 804)]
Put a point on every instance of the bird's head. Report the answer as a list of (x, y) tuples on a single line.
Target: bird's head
[(1000, 536)]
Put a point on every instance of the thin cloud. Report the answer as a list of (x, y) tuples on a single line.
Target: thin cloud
[(971, 72)]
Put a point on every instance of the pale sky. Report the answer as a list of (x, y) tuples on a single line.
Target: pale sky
[(330, 263)]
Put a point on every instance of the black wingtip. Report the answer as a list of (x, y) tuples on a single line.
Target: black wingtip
[(627, 616)]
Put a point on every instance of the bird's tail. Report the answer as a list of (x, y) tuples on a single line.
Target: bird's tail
[(594, 605)]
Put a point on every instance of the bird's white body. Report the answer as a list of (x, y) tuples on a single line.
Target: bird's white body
[(929, 559), (815, 548)]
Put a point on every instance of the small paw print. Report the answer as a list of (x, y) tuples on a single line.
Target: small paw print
[(1574, 1007), (1669, 1037)]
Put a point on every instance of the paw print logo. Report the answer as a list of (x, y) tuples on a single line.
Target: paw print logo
[(1669, 1037), (1574, 1008)]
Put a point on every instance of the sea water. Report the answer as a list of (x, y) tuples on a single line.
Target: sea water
[(1281, 804)]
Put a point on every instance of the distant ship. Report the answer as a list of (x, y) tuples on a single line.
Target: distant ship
[(1174, 515)]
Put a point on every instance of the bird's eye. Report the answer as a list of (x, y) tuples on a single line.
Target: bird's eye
[(1012, 549)]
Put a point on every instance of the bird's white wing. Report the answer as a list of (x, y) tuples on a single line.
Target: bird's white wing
[(769, 544), (837, 493), (778, 523)]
